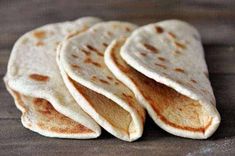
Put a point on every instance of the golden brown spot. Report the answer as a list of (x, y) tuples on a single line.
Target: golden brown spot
[(164, 119), (79, 128), (116, 83), (205, 91), (179, 70), (180, 45), (37, 101), (162, 59), (94, 77), (121, 67), (109, 77), (88, 60), (95, 50), (161, 65), (40, 34), (72, 35), (151, 48), (128, 96), (86, 52), (194, 81), (143, 54), (128, 29), (74, 56), (39, 77), (177, 52), (109, 33), (39, 43), (77, 32), (44, 106), (159, 29), (105, 44), (172, 35), (75, 66), (104, 81)]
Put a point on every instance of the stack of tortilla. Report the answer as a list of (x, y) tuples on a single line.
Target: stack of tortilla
[(70, 78)]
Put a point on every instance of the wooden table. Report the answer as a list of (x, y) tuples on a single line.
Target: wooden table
[(216, 23)]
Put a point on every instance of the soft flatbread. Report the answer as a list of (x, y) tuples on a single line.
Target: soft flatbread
[(33, 75), (38, 115), (103, 97), (169, 77)]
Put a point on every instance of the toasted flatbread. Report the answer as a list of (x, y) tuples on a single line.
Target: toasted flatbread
[(34, 80), (164, 65), (103, 97)]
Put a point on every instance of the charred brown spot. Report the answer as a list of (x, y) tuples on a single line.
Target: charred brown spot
[(161, 65), (194, 81), (91, 48), (172, 35), (162, 59), (179, 70), (159, 29), (96, 64), (95, 50), (40, 34), (89, 60), (75, 66), (104, 81), (74, 56), (38, 77), (86, 52), (143, 54), (180, 45), (105, 44), (39, 43), (109, 77), (151, 48)]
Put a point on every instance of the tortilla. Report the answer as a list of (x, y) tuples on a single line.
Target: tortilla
[(35, 81), (168, 74), (110, 103)]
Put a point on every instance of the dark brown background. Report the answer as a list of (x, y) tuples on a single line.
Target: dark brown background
[(215, 19)]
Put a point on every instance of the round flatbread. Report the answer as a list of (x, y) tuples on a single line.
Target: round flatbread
[(33, 74)]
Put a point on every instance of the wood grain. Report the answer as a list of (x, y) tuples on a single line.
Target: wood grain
[(213, 18)]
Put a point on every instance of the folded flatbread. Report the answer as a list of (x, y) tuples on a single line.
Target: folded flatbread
[(94, 87), (165, 67), (34, 80)]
